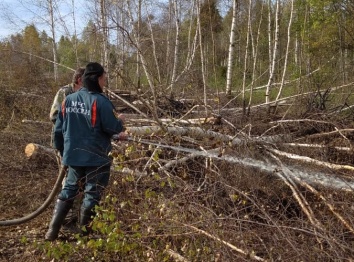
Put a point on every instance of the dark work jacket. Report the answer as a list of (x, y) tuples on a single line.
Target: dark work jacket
[(84, 127)]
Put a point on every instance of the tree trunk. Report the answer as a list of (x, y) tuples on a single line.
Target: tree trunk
[(245, 65), (286, 52), (273, 52), (231, 50)]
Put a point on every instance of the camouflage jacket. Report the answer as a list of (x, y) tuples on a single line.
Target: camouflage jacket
[(58, 99)]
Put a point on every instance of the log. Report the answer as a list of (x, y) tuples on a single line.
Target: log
[(199, 133), (310, 160), (27, 121), (33, 151), (192, 121)]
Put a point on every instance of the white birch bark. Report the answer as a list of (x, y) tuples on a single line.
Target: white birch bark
[(255, 59), (75, 33), (52, 30), (103, 21), (168, 42), (120, 19), (286, 52), (202, 58), (176, 47), (157, 65), (273, 50), (192, 44), (310, 160), (291, 172), (137, 37), (245, 63), (231, 49)]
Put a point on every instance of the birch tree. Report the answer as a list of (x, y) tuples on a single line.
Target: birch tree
[(231, 49), (255, 60), (273, 48), (287, 51), (192, 43), (176, 46), (52, 29), (202, 61), (153, 41), (75, 33), (140, 57), (249, 32), (105, 33), (138, 54)]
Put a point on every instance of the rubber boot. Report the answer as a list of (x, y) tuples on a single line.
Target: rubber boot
[(86, 217), (60, 211)]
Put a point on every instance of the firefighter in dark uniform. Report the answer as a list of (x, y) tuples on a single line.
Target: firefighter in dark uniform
[(82, 134)]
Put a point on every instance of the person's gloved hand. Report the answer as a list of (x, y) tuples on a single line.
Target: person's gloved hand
[(121, 136)]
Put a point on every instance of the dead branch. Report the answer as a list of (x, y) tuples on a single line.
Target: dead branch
[(318, 146), (330, 206), (347, 130), (126, 102), (176, 256), (178, 161), (285, 175), (249, 255), (311, 160), (301, 120)]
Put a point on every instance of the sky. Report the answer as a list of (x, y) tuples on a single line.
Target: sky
[(16, 14)]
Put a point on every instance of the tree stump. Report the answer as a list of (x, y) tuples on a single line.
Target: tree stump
[(36, 151)]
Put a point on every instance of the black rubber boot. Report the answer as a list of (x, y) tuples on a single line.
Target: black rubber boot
[(60, 211), (86, 217)]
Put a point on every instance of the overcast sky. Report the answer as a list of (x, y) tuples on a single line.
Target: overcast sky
[(16, 14)]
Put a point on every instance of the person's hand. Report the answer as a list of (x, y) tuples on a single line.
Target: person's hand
[(121, 117), (123, 136)]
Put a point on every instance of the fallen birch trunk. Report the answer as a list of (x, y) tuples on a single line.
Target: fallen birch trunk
[(192, 121), (199, 133), (310, 177), (348, 149), (311, 160)]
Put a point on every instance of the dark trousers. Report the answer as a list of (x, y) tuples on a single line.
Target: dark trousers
[(93, 181)]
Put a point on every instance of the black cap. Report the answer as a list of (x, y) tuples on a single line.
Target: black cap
[(94, 68)]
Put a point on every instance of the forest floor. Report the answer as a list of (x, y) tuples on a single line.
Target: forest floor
[(25, 184)]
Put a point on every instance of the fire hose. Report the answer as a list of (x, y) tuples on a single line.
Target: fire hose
[(50, 198)]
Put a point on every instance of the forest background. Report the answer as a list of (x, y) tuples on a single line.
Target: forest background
[(260, 50), (251, 63)]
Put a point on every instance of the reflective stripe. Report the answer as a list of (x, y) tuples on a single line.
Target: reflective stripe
[(94, 113), (63, 108)]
